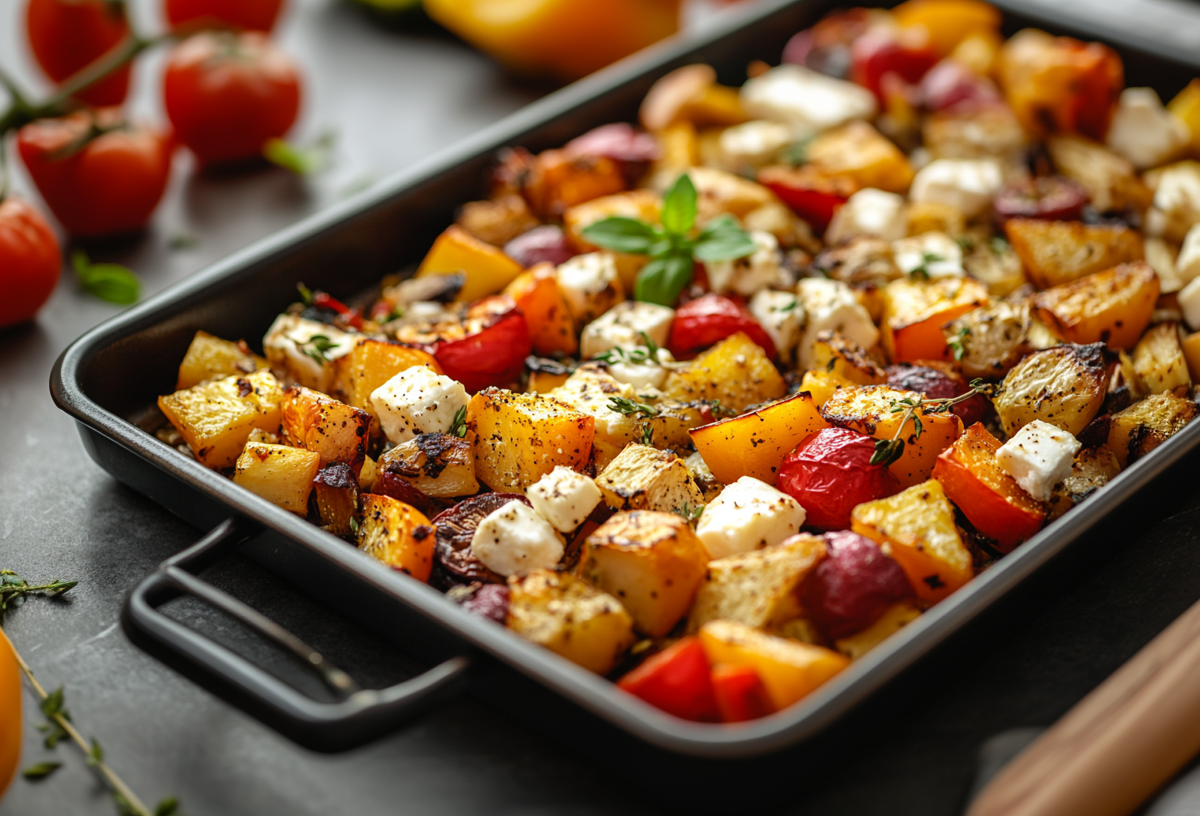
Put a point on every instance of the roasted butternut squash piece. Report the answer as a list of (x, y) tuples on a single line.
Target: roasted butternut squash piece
[(653, 562), (989, 497), (917, 526), (370, 364), (735, 372), (280, 474), (1064, 386), (789, 670), (1058, 252), (209, 357), (522, 437), (914, 312), (437, 464), (319, 423), (858, 151), (868, 409), (1112, 307), (487, 268), (641, 204), (215, 418), (557, 181), (821, 385), (1158, 361), (398, 535), (890, 622), (1111, 181), (755, 444), (551, 327), (988, 341), (1145, 425), (1092, 469), (845, 359), (645, 478), (590, 390), (570, 618)]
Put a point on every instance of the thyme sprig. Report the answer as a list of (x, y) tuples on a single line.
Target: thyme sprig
[(958, 345), (645, 354), (888, 451), (315, 347), (14, 588), (921, 270), (458, 425), (629, 407)]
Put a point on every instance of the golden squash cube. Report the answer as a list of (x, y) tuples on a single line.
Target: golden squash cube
[(522, 437), (858, 151), (487, 268), (209, 357), (652, 562), (916, 527), (645, 478), (914, 312), (398, 535), (320, 423), (280, 474), (1158, 361), (736, 372), (370, 364), (1145, 425), (216, 418), (837, 355), (565, 615), (895, 618), (590, 389), (1112, 307), (756, 443), (1058, 252)]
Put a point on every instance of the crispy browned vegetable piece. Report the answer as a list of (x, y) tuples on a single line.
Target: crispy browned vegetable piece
[(1064, 386), (736, 372), (1093, 469), (1057, 252), (216, 418), (1158, 361), (992, 339), (1145, 425), (1112, 307)]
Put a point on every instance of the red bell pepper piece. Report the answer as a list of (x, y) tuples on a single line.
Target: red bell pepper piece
[(352, 317), (494, 355), (811, 194), (740, 693), (880, 51), (677, 680), (711, 318)]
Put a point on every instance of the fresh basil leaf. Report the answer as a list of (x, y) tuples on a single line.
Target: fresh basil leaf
[(111, 282), (679, 206), (724, 240), (663, 279), (621, 234)]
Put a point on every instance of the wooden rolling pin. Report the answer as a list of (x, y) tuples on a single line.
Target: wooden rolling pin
[(1118, 745)]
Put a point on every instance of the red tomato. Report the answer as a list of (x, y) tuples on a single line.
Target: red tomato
[(97, 184), (853, 585), (251, 15), (677, 680), (740, 693), (227, 94), (68, 35), (950, 85), (709, 319), (811, 194), (487, 347), (30, 261), (906, 53), (830, 474)]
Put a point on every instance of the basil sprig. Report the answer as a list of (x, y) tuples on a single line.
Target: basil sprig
[(671, 247)]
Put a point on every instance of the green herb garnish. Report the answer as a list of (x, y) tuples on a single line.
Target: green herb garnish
[(107, 281)]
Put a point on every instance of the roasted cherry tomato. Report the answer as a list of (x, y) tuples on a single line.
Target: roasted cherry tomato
[(488, 346), (98, 173), (880, 51), (30, 263), (938, 380), (226, 94), (830, 474), (811, 194), (710, 319), (678, 680), (951, 86), (740, 693), (250, 15), (1050, 198), (66, 36), (853, 585)]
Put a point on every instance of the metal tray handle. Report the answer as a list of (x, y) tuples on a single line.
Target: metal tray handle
[(360, 716)]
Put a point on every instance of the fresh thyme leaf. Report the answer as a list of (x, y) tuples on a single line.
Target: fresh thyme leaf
[(315, 347), (167, 807), (965, 242), (14, 588), (680, 207), (354, 525), (182, 241), (306, 294), (40, 771), (95, 756), (998, 245), (796, 153), (888, 451), (958, 344), (458, 425), (921, 271), (110, 282), (651, 346), (831, 365), (691, 513), (628, 407), (791, 307), (647, 434)]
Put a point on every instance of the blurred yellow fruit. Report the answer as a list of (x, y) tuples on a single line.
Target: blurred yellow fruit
[(10, 713)]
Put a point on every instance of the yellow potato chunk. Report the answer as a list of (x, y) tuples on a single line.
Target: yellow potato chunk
[(652, 562), (834, 354), (916, 527), (1112, 307), (645, 478), (1064, 386), (216, 418), (890, 622), (756, 443), (1145, 425), (522, 437), (209, 357), (860, 152), (487, 268), (736, 372), (398, 535), (280, 474), (1159, 363), (1058, 252), (320, 423)]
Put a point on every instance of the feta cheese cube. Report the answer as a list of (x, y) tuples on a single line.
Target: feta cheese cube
[(868, 212), (622, 327), (1145, 132), (417, 401), (935, 252), (589, 284), (1162, 256), (1038, 457), (781, 315), (752, 144), (966, 184), (1176, 207), (1187, 265), (830, 305), (745, 276), (806, 100), (293, 345), (748, 515), (564, 498), (644, 375), (1189, 303), (515, 540)]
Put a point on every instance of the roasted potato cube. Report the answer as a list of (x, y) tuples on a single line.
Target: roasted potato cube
[(570, 618), (1058, 252), (992, 262), (437, 464), (757, 588), (821, 385), (319, 423), (653, 562), (522, 437), (216, 418), (641, 204), (1111, 182), (979, 134), (210, 357), (398, 535), (497, 221), (790, 670), (736, 372), (916, 527), (487, 268), (1145, 425), (370, 364), (890, 622), (914, 312), (590, 390), (645, 478), (1092, 469), (336, 490), (846, 359), (860, 152), (1159, 363), (1064, 386), (755, 444), (868, 409), (1113, 306), (280, 474), (670, 429), (990, 340)]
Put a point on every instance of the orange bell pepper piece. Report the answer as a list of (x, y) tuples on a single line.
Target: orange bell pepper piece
[(488, 269), (948, 22), (756, 443), (740, 693), (550, 325)]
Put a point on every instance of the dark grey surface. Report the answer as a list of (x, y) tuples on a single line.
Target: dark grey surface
[(393, 100)]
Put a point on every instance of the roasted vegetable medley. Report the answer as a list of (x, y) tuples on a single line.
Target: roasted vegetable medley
[(715, 403)]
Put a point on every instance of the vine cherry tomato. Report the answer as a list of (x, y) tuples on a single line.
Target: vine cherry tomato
[(830, 474), (98, 173), (30, 262), (226, 94), (710, 319), (66, 36), (249, 15)]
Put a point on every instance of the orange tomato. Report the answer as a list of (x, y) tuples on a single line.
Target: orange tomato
[(10, 713)]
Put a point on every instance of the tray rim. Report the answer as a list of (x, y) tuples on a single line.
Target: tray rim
[(591, 692)]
